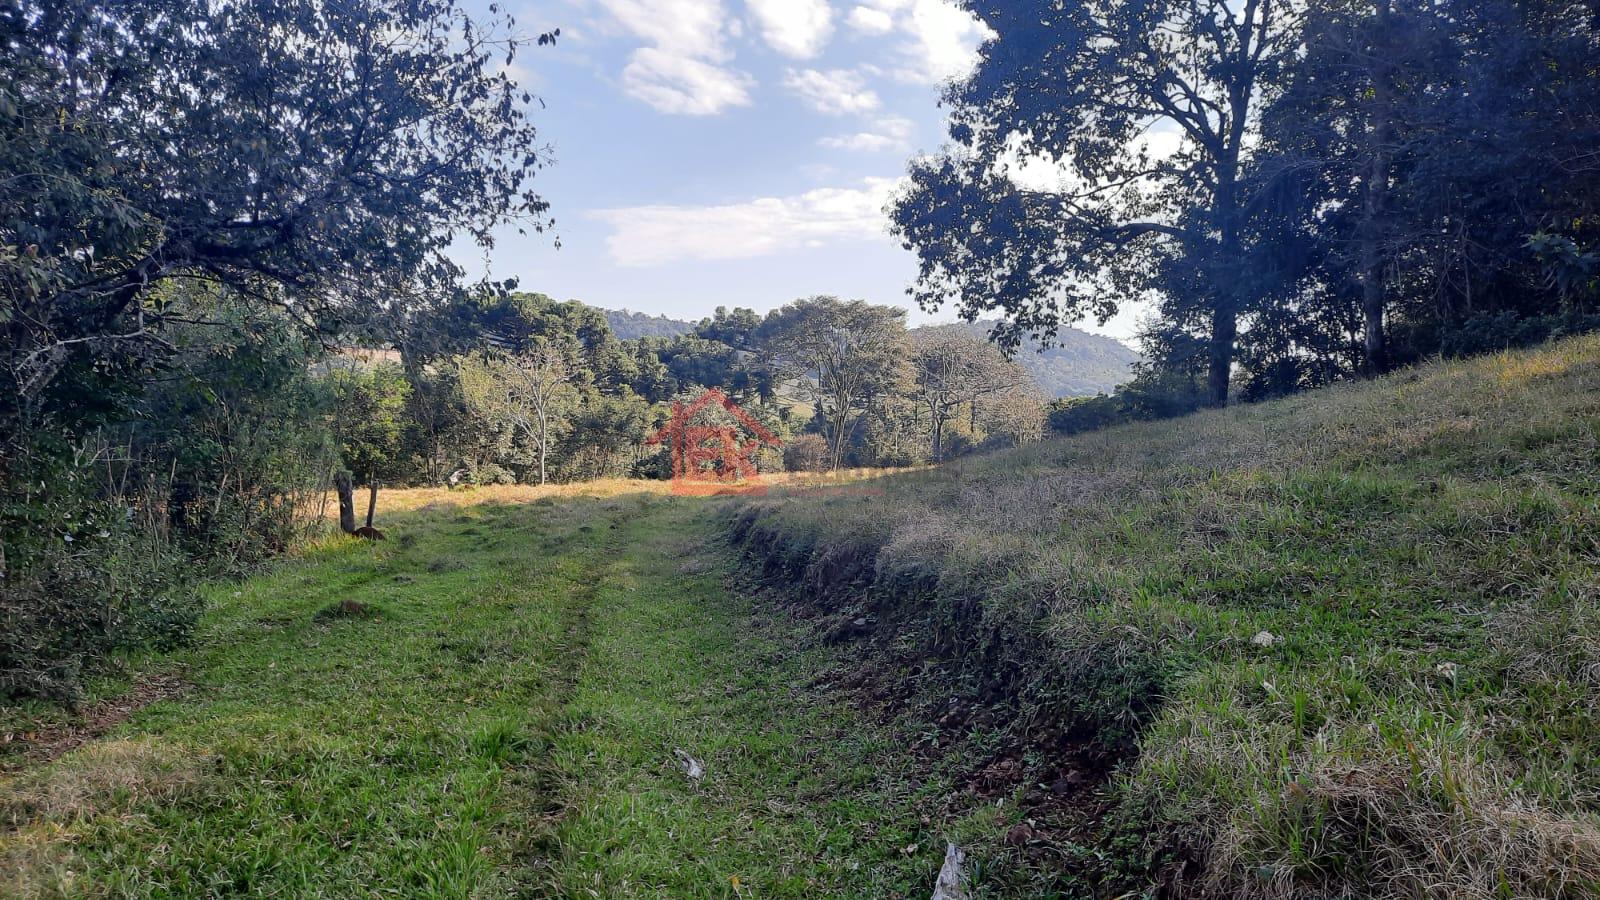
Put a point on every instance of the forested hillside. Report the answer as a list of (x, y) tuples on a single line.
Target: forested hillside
[(628, 325), (1075, 363)]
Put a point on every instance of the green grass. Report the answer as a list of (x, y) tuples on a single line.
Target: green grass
[(799, 799), (502, 714), (1424, 552), (500, 717), (354, 754)]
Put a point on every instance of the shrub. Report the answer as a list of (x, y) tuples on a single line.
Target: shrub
[(806, 453), (79, 582), (655, 467), (482, 474), (1148, 397)]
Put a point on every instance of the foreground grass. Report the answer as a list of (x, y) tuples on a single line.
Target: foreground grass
[(336, 751), (501, 715), (1348, 643), (799, 799)]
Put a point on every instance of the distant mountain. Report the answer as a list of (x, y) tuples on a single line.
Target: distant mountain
[(1079, 364), (628, 325)]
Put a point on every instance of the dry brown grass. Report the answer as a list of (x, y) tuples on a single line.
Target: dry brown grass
[(402, 500), (36, 864), (99, 779)]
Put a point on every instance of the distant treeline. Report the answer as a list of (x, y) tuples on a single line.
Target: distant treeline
[(532, 389), (1073, 363), (628, 325)]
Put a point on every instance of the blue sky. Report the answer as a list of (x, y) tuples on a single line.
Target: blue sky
[(730, 152)]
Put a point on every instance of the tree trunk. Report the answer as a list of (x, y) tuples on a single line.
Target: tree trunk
[(1224, 331), (1228, 287), (838, 422), (1372, 309), (347, 502), (1375, 200), (544, 445), (372, 501)]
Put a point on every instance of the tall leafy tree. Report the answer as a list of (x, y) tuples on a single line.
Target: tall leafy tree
[(373, 405), (954, 368), (1423, 145), (1143, 114), (530, 390), (316, 156), (839, 354), (1358, 110)]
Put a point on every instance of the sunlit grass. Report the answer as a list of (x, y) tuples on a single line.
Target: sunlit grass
[(1347, 642), (487, 704), (401, 500)]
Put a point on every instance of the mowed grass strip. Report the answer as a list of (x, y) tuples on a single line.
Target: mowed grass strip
[(500, 716), (330, 750), (800, 796)]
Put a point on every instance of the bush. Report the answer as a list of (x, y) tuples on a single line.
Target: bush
[(482, 474), (769, 460), (79, 581), (1147, 398), (1507, 330), (806, 453), (655, 467), (112, 500), (1076, 415)]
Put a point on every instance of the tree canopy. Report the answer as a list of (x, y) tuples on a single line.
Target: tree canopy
[(839, 354), (310, 156), (1088, 92), (1301, 191)]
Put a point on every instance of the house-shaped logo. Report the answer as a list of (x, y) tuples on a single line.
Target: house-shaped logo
[(714, 452)]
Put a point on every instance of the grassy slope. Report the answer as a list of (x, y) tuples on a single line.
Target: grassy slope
[(1421, 716), (504, 721)]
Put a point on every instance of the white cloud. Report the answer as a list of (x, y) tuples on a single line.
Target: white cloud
[(945, 40), (797, 28), (869, 21), (893, 133), (940, 40), (683, 86), (684, 72), (1039, 172), (836, 92), (657, 235), (684, 27)]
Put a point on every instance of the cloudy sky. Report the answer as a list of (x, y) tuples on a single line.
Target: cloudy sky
[(730, 152)]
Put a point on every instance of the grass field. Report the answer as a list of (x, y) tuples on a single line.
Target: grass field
[(502, 715), (1341, 645), (1344, 644)]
